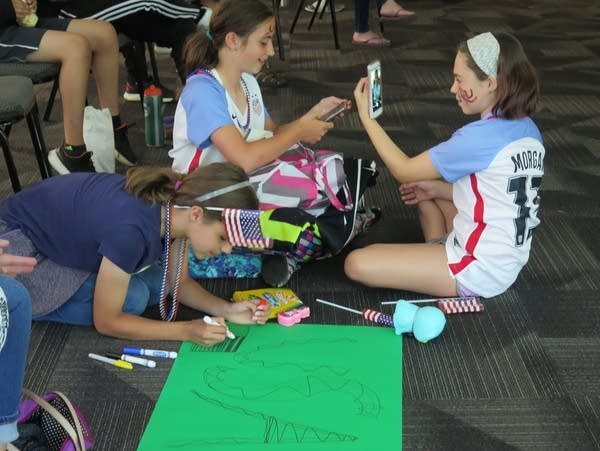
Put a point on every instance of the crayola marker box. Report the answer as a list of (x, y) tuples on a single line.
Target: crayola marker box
[(279, 299)]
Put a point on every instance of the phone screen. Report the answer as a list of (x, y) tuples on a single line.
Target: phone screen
[(375, 89)]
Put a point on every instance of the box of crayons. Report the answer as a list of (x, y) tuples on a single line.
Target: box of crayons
[(279, 299)]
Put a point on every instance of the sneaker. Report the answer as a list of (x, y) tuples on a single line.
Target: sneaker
[(63, 163), (131, 93), (123, 152), (158, 50), (311, 8)]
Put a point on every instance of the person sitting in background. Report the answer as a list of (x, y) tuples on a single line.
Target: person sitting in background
[(165, 22), (79, 47), (120, 243), (389, 11), (15, 326), (477, 193)]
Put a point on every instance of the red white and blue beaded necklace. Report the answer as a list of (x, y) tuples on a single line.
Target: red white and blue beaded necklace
[(168, 310)]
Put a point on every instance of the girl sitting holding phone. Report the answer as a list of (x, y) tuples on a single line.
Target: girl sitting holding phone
[(221, 116)]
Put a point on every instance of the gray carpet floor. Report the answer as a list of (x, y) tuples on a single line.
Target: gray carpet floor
[(523, 374)]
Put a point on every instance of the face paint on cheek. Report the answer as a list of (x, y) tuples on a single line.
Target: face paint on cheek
[(467, 96)]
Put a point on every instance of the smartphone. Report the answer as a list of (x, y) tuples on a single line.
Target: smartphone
[(335, 112), (375, 88)]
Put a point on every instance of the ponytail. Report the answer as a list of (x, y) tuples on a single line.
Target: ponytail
[(241, 17)]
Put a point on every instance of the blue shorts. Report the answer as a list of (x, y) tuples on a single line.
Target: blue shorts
[(17, 42)]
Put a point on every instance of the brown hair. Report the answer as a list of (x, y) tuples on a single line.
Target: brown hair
[(239, 16), (518, 85), (159, 185)]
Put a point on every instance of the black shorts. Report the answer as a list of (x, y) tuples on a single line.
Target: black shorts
[(17, 42)]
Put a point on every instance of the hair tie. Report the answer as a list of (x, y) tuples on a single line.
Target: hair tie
[(178, 184), (208, 35), (485, 49)]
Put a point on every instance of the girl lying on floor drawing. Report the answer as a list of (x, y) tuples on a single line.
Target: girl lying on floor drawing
[(108, 246)]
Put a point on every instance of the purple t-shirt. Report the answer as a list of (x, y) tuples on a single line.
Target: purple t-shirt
[(77, 219)]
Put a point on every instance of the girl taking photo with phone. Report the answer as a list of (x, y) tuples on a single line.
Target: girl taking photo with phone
[(476, 193)]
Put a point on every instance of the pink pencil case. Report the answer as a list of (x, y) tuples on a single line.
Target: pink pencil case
[(294, 316)]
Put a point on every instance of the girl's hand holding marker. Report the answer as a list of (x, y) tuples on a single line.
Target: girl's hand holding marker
[(213, 322)]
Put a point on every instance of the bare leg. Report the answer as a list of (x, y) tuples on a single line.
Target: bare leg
[(449, 211), (104, 45), (422, 268), (74, 54), (436, 218), (390, 7), (431, 219)]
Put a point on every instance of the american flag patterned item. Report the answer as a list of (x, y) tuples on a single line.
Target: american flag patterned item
[(378, 317), (242, 228), (467, 305)]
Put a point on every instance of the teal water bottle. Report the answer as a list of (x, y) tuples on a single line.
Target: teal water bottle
[(153, 116)]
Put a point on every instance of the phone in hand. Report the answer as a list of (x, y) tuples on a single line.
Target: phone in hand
[(375, 89), (335, 112)]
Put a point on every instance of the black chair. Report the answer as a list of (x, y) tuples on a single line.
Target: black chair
[(38, 73), (320, 8), (18, 101), (278, 29)]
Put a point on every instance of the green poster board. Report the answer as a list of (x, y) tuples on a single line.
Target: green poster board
[(306, 387)]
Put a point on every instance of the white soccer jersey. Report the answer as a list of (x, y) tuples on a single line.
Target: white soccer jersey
[(496, 167)]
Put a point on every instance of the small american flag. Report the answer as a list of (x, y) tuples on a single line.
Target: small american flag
[(243, 229), (466, 305)]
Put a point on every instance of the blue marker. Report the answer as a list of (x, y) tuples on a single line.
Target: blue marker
[(150, 353)]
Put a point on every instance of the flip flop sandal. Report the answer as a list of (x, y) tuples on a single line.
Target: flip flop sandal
[(377, 41), (399, 14)]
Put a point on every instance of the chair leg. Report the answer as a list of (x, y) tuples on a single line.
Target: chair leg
[(10, 163), (334, 24), (298, 11), (314, 14), (278, 29), (51, 99), (37, 138), (155, 76)]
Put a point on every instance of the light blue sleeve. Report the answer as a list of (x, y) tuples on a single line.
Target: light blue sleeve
[(205, 104), (470, 149), (473, 147)]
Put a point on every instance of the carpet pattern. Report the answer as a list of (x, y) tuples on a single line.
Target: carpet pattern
[(523, 374)]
